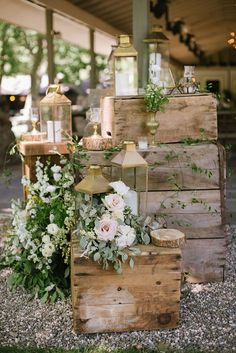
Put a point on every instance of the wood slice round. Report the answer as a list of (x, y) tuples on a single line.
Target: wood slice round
[(168, 238)]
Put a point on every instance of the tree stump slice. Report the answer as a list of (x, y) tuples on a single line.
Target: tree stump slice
[(168, 238)]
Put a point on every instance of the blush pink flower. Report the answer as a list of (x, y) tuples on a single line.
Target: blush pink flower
[(114, 202), (106, 229)]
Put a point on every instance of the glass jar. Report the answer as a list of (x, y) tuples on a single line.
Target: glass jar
[(188, 84)]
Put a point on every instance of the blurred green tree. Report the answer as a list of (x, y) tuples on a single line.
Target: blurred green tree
[(23, 51)]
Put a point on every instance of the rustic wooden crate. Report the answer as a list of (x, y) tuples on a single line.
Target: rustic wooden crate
[(32, 150), (104, 301), (204, 253), (125, 118)]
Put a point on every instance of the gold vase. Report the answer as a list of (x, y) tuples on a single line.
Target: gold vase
[(152, 125)]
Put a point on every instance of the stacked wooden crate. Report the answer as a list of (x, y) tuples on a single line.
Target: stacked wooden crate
[(186, 180), (104, 301)]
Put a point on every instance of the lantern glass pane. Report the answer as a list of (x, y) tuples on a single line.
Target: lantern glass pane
[(55, 121), (159, 70), (126, 79)]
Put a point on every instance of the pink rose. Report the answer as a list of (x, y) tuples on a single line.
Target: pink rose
[(106, 229), (114, 202)]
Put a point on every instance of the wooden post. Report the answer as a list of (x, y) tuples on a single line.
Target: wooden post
[(92, 60), (49, 36), (140, 31)]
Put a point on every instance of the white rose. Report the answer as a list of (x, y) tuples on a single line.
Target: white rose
[(46, 238), (55, 168), (56, 176), (52, 228), (126, 236), (105, 229), (48, 249), (119, 187), (114, 202), (50, 188)]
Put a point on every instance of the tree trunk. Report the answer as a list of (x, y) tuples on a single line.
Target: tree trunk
[(3, 40), (37, 59)]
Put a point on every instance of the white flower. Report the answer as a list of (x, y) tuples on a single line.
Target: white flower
[(25, 181), (118, 215), (126, 236), (106, 229), (52, 228), (46, 239), (51, 217), (55, 168), (114, 202), (50, 188), (48, 249), (56, 176), (119, 187)]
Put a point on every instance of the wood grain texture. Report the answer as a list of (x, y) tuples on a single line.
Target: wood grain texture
[(169, 238), (184, 117), (204, 260), (194, 219), (104, 301), (42, 148), (171, 164)]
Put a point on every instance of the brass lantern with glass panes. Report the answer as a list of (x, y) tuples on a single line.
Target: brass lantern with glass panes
[(159, 71), (130, 167), (55, 115), (125, 59)]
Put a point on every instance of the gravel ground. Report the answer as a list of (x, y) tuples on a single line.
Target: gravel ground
[(207, 319)]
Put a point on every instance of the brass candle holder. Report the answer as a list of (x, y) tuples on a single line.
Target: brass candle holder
[(152, 125)]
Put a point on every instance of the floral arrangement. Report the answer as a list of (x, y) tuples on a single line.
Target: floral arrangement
[(107, 228), (155, 98), (38, 249)]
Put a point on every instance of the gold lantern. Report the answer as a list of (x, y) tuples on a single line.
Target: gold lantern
[(94, 182), (125, 67), (132, 169), (159, 71), (55, 115)]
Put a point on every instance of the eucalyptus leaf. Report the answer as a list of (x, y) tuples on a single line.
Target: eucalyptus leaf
[(131, 263), (96, 256)]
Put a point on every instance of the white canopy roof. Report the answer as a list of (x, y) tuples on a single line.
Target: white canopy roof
[(28, 15)]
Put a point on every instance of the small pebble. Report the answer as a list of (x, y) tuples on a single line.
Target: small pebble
[(208, 314)]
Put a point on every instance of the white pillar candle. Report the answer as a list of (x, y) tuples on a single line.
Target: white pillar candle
[(57, 130), (142, 142), (131, 200), (122, 84), (50, 131)]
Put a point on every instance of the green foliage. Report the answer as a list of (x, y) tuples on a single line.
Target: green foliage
[(111, 151), (107, 230), (155, 98), (38, 248), (197, 169), (188, 141)]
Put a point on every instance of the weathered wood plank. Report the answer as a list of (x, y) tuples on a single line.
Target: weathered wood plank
[(204, 259), (104, 301), (203, 233), (189, 167), (126, 118), (175, 202), (35, 148), (126, 317)]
